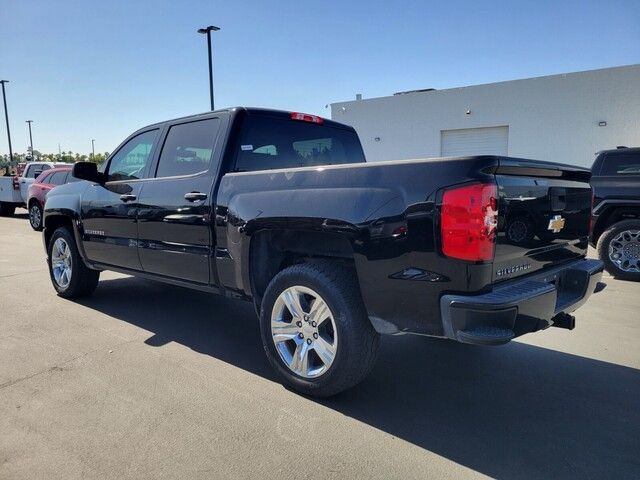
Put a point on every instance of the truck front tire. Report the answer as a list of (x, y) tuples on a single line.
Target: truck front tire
[(619, 249), (69, 275), (315, 329)]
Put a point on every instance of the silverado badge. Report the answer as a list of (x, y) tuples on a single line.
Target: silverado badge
[(501, 272), (556, 224)]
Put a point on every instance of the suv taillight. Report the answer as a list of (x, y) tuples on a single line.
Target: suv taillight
[(468, 221)]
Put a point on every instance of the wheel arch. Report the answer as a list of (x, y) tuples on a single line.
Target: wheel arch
[(272, 250), (614, 214), (53, 219), (33, 200), (53, 222)]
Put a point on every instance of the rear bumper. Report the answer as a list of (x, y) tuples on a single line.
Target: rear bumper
[(521, 306)]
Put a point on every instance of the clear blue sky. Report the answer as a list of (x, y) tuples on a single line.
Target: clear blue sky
[(101, 69)]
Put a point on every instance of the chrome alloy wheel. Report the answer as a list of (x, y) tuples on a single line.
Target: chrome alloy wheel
[(304, 331), (61, 262), (624, 251), (35, 216)]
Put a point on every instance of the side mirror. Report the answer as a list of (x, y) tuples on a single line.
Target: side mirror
[(87, 171)]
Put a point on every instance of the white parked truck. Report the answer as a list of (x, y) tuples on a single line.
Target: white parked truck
[(14, 189)]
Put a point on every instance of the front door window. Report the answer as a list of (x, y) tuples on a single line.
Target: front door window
[(131, 161)]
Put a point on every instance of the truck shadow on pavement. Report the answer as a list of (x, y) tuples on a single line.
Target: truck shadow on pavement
[(517, 411)]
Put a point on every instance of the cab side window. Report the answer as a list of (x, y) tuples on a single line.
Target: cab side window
[(30, 172), (44, 178), (33, 171), (57, 178), (131, 161), (188, 148)]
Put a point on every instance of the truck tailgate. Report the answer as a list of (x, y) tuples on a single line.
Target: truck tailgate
[(544, 212)]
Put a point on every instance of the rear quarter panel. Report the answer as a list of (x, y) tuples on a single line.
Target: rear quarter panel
[(386, 210)]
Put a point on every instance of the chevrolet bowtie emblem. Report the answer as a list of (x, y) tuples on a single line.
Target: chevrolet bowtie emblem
[(556, 224)]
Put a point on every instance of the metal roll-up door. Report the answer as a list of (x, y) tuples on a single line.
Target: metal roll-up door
[(474, 141)]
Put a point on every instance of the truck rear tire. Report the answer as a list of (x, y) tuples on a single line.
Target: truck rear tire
[(7, 209), (315, 329), (69, 275), (619, 249)]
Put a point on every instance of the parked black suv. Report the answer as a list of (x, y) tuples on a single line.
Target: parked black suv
[(616, 211)]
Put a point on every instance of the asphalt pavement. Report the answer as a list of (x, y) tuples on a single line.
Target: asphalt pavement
[(144, 380)]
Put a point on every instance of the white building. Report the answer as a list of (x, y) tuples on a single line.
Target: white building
[(564, 118)]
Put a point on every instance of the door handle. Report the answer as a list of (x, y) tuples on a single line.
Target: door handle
[(127, 197), (195, 196)]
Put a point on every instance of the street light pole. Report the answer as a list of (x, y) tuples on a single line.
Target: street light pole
[(30, 139), (93, 149), (6, 117), (207, 31)]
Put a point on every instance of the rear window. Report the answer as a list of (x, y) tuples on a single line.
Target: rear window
[(269, 142), (621, 164)]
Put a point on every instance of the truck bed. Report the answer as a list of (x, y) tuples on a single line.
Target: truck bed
[(390, 213), (7, 193)]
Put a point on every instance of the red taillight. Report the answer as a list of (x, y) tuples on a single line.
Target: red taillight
[(468, 221), (305, 117), (15, 183)]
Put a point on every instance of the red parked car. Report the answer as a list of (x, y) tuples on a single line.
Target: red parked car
[(38, 192)]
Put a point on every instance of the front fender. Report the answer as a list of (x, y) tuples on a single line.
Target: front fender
[(63, 207)]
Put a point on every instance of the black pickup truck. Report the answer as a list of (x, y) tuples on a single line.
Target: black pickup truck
[(615, 179), (280, 209)]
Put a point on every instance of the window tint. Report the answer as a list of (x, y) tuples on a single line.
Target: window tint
[(130, 162), (319, 150), (621, 164), (57, 178), (272, 142), (188, 148)]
